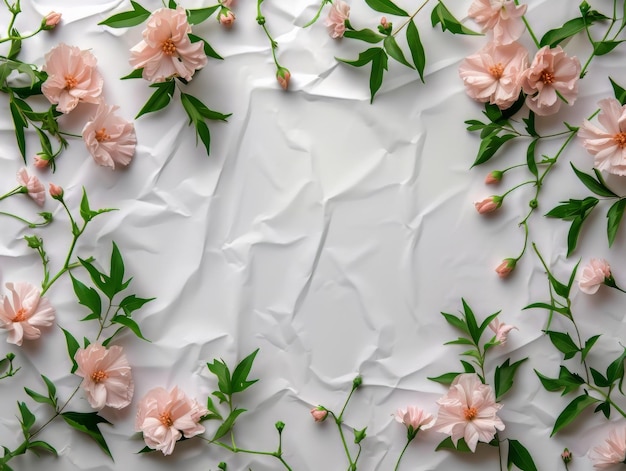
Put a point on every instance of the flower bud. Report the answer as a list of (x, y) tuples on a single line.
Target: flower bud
[(506, 267), (10, 356), (279, 426), (319, 414), (56, 192), (226, 18), (359, 435), (222, 466), (566, 456), (51, 20), (494, 177), (41, 162), (283, 75), (488, 205), (46, 216), (385, 27), (33, 242), (357, 382)]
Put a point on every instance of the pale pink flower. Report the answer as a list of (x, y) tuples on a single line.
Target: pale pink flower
[(40, 163), (506, 267), (283, 76), (493, 73), (51, 20), (336, 20), (165, 417), (551, 73), (72, 77), (56, 191), (22, 312), (166, 50), (494, 177), (468, 411), (608, 147), (488, 205), (414, 418), (612, 452), (227, 19), (593, 275), (502, 17), (319, 415), (107, 376), (501, 330), (33, 185), (109, 138)]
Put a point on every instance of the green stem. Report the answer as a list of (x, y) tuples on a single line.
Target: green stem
[(317, 15), (19, 38), (410, 18), (499, 452), (57, 413), (261, 21), (517, 186), (30, 224), (607, 398), (529, 29), (15, 191), (234, 449), (338, 421), (397, 467)]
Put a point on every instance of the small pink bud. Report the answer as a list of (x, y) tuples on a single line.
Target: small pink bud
[(56, 191), (494, 177), (51, 20), (40, 162), (384, 22), (319, 414), (566, 456), (283, 75), (488, 205), (506, 267), (227, 18)]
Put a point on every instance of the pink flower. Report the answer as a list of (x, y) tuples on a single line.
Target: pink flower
[(493, 73), (488, 205), (56, 191), (506, 267), (551, 72), (51, 20), (166, 50), (566, 456), (107, 376), (283, 76), (72, 77), (494, 177), (414, 419), (501, 330), (34, 187), (468, 411), (23, 312), (40, 162), (608, 147), (612, 452), (336, 21), (503, 17), (227, 19), (109, 138), (164, 417), (593, 276), (319, 414)]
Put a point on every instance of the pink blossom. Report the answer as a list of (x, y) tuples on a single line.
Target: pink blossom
[(566, 456), (33, 185), (72, 77), (283, 76), (40, 162), (612, 452), (227, 19), (107, 376), (552, 73), (336, 21), (493, 73), (165, 417), (506, 267), (501, 330), (166, 50), (468, 411), (593, 275), (488, 205), (608, 146), (319, 414), (414, 418), (109, 138), (56, 191), (22, 312), (502, 17), (51, 20), (494, 177)]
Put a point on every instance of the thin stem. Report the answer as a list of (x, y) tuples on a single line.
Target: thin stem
[(30, 224), (15, 191), (530, 30), (607, 399), (234, 449), (317, 15), (343, 438), (517, 186), (57, 413), (261, 21), (19, 38), (410, 18), (402, 454), (499, 452)]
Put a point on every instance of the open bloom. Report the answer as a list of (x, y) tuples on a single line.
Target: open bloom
[(468, 411), (502, 17), (166, 50), (107, 376), (501, 330), (33, 186), (612, 452), (414, 419), (109, 138), (23, 312), (72, 77), (593, 275), (608, 145), (336, 20), (165, 417), (493, 73), (551, 73)]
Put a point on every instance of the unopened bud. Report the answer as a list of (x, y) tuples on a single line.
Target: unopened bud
[(51, 20), (226, 18), (279, 426), (566, 456), (56, 192), (283, 76), (319, 414), (494, 177)]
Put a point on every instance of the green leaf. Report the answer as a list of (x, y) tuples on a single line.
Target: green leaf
[(131, 324), (488, 321), (379, 65), (605, 408), (239, 379), (564, 343), (446, 378), (72, 347), (448, 444), (135, 74), (19, 124), (199, 109), (391, 46), (530, 158), (366, 35), (43, 445), (417, 49), (87, 297), (573, 234), (599, 379), (128, 18), (16, 45), (504, 376), (604, 47), (441, 15), (520, 457), (455, 322), (549, 307), (172, 4), (615, 370), (470, 320), (132, 303), (530, 124), (468, 367), (364, 58), (572, 411), (567, 381), (159, 99), (87, 422), (211, 408), (598, 187), (208, 50), (588, 345), (228, 423), (572, 209), (99, 279), (38, 397), (569, 29), (460, 341), (221, 371), (386, 6), (619, 92), (28, 418), (489, 146), (614, 218), (196, 17), (117, 270)]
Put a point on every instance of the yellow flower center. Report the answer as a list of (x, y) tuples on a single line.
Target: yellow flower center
[(101, 135), (168, 47), (620, 139), (496, 71), (99, 376), (70, 82), (547, 77), (20, 316), (166, 419), (470, 413)]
